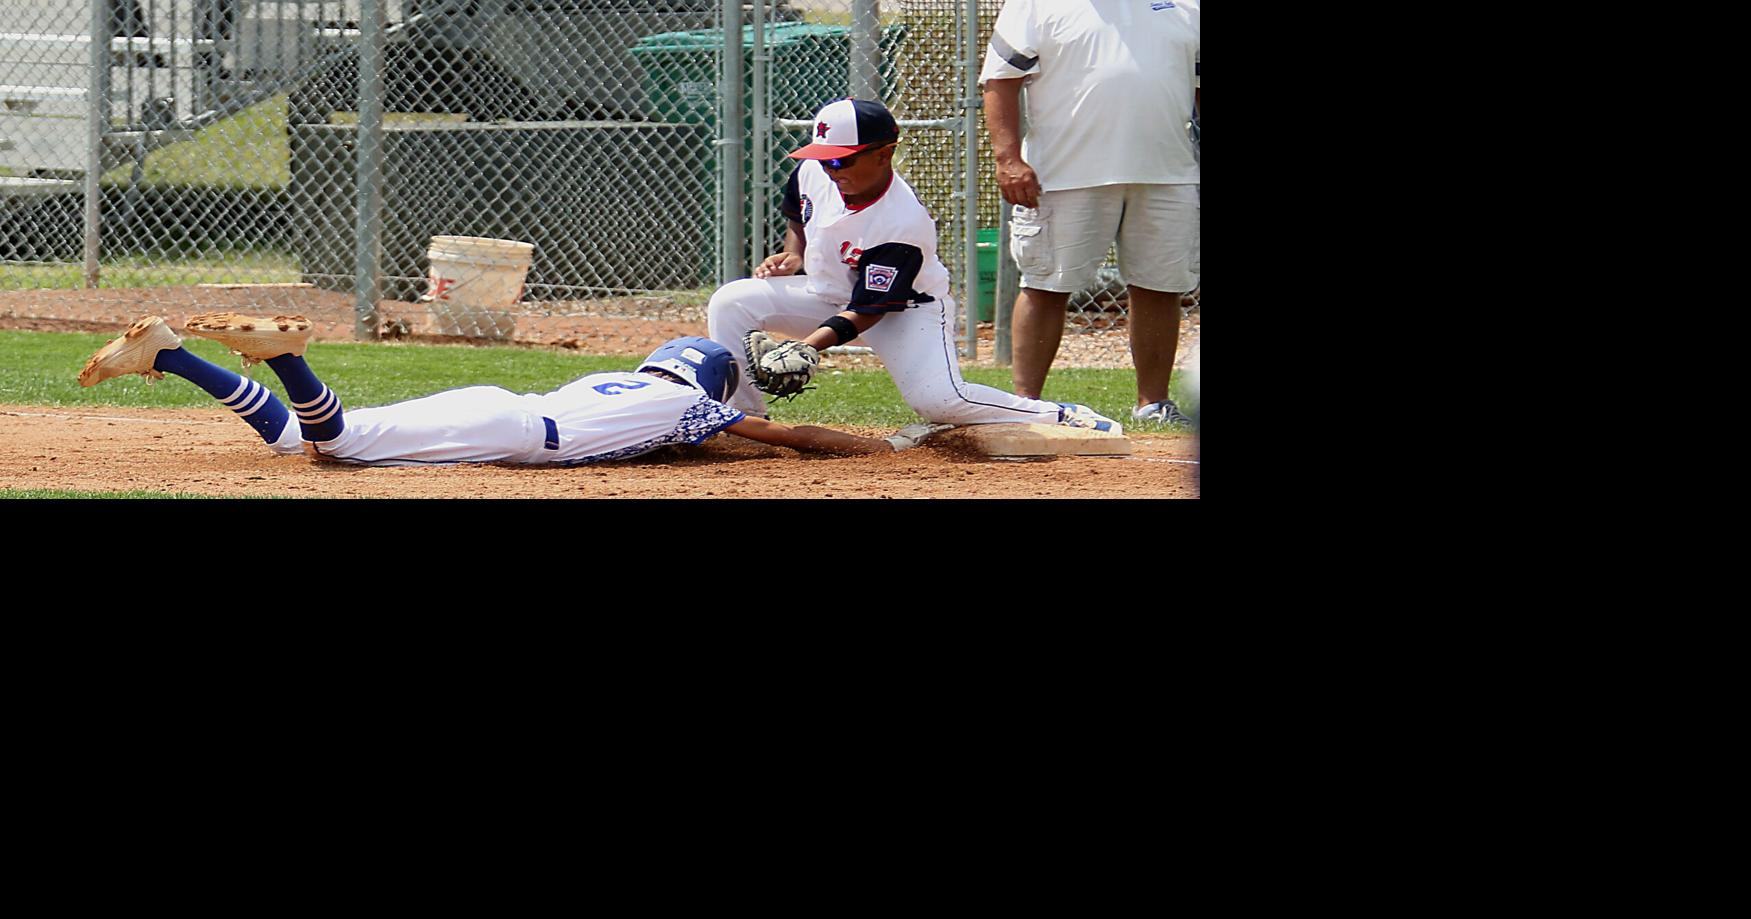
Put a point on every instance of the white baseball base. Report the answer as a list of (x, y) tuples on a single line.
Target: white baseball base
[(1033, 440)]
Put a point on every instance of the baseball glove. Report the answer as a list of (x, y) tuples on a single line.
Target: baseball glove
[(779, 369)]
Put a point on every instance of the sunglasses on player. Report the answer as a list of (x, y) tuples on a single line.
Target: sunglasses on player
[(845, 162)]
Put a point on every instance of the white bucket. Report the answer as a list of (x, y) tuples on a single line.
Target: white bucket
[(472, 284)]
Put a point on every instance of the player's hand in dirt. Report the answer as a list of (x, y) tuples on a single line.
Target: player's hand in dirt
[(777, 266), (911, 435)]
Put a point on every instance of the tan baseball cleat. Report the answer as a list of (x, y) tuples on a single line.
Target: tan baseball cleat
[(255, 338), (133, 352)]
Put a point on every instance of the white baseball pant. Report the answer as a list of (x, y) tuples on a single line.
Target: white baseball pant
[(916, 345)]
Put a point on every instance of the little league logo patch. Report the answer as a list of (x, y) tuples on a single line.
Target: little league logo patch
[(808, 208), (879, 277)]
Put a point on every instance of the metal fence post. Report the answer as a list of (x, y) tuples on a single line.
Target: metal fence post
[(1008, 286), (761, 209), (369, 193), (1008, 273), (730, 145), (866, 28), (970, 200), (96, 125)]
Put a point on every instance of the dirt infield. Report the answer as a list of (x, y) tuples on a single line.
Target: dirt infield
[(209, 452)]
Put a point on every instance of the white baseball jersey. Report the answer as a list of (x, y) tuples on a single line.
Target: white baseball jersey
[(600, 417), (877, 258), (1108, 84)]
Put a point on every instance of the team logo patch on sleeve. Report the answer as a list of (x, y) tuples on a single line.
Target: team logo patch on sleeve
[(808, 208), (879, 277)]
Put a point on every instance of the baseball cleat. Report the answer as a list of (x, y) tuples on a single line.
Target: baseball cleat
[(133, 352), (255, 338), (1163, 412), (1081, 416)]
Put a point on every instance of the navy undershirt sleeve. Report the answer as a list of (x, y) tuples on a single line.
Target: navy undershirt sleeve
[(884, 279), (792, 207)]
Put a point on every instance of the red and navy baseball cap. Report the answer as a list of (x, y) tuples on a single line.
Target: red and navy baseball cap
[(847, 126)]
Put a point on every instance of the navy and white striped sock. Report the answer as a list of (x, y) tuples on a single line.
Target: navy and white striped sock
[(321, 419), (319, 410), (252, 402)]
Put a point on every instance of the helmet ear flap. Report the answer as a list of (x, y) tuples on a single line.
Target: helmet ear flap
[(732, 380)]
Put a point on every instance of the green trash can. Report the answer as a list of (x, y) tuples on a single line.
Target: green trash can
[(987, 246), (810, 66)]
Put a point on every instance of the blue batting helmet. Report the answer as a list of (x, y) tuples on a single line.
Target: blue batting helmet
[(700, 361)]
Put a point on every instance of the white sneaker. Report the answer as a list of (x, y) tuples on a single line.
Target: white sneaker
[(1074, 415), (1160, 413)]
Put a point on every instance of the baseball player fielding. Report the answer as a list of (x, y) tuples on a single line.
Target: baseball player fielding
[(860, 263)]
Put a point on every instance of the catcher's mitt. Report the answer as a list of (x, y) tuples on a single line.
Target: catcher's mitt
[(779, 369)]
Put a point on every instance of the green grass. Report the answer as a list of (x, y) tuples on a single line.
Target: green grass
[(247, 150), (41, 368), (217, 266)]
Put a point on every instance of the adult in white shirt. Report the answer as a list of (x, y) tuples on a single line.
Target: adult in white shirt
[(1110, 87)]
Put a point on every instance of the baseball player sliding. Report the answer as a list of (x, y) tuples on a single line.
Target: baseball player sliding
[(674, 396), (859, 261)]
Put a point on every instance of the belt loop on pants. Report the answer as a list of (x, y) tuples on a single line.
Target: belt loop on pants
[(552, 433)]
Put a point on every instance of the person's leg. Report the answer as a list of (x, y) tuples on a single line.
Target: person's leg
[(1059, 249), (917, 347), (1155, 320), (252, 402), (782, 306), (1158, 257), (279, 341), (319, 409), (149, 348), (1036, 329), (474, 424)]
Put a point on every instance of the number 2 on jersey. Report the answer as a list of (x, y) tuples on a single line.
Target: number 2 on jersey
[(617, 387)]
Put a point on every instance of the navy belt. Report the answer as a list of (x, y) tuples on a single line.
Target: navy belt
[(552, 433)]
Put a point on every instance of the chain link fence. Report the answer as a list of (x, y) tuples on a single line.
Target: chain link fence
[(183, 156)]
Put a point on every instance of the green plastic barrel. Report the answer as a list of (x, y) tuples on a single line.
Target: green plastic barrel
[(987, 274), (809, 68)]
